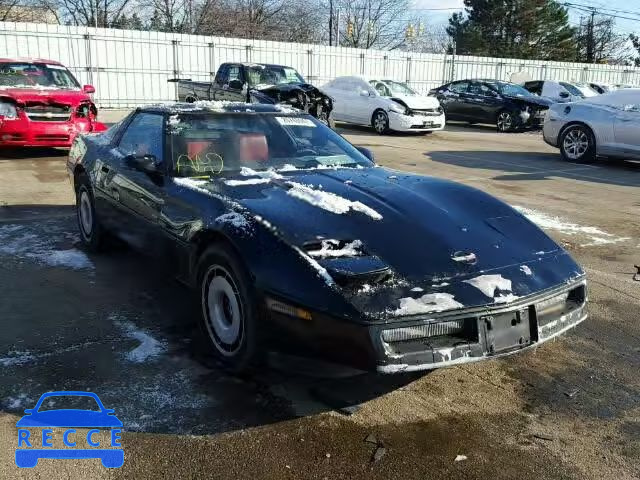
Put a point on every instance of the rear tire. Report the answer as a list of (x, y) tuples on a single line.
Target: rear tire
[(578, 144), (92, 234), (380, 122), (231, 316)]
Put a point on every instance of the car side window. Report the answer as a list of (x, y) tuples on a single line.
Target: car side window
[(144, 136), (234, 73), (223, 75), (381, 88), (481, 89), (459, 87)]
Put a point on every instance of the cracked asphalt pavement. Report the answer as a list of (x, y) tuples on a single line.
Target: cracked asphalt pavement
[(119, 325)]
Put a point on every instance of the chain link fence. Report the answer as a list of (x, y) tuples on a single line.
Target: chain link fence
[(129, 68)]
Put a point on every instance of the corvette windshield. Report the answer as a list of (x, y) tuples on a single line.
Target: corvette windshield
[(205, 145), (272, 75), (35, 75)]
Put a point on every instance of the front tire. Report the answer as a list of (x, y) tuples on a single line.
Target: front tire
[(230, 311), (92, 234), (380, 122), (506, 121), (577, 144)]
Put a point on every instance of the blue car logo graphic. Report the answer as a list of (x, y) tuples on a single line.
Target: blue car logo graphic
[(29, 441)]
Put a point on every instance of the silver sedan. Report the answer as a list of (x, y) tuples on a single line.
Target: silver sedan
[(607, 125)]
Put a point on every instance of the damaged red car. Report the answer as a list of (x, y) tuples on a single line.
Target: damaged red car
[(42, 104)]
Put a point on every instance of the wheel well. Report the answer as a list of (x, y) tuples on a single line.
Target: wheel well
[(376, 111), (573, 124), (191, 99), (204, 240), (77, 171)]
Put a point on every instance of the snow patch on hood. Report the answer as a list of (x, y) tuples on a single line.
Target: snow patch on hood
[(526, 270), (269, 174), (494, 286), (594, 235), (429, 303), (234, 218), (330, 249), (250, 181), (329, 201), (322, 272)]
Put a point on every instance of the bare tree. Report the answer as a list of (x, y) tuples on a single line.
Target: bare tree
[(240, 18), (98, 13), (373, 23), (598, 41)]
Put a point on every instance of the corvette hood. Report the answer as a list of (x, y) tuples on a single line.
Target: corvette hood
[(418, 102), (423, 230), (44, 95)]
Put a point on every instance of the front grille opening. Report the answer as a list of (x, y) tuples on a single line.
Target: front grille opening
[(553, 308), (456, 330)]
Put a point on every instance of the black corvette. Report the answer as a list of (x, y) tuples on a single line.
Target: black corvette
[(508, 106), (293, 237)]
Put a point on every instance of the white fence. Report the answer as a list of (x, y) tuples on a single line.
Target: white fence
[(132, 67)]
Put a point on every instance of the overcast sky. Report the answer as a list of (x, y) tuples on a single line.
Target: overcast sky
[(624, 26)]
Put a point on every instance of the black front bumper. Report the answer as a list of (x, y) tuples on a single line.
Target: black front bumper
[(480, 333)]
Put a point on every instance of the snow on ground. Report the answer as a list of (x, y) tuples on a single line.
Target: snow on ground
[(39, 243), (16, 358), (494, 286), (330, 248), (594, 235), (148, 348), (429, 303), (329, 201)]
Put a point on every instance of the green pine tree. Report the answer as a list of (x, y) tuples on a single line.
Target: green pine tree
[(528, 29)]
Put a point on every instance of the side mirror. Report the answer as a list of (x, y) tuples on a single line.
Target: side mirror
[(365, 93), (564, 95), (88, 89), (143, 163), (28, 411), (109, 411), (236, 84), (367, 153)]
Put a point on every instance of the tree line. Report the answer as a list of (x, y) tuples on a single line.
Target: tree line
[(527, 29)]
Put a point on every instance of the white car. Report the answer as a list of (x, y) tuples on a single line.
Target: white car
[(559, 92), (583, 88), (607, 125), (383, 104)]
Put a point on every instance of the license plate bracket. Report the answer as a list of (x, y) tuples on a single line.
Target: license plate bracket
[(506, 331)]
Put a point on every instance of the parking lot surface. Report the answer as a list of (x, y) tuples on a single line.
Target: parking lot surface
[(119, 325)]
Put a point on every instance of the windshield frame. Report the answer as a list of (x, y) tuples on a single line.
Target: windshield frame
[(403, 85), (498, 86), (273, 69), (349, 150), (47, 69)]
